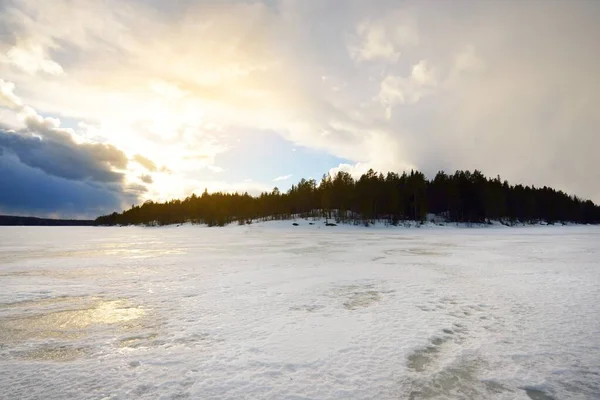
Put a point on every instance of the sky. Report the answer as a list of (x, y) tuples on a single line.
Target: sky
[(108, 104)]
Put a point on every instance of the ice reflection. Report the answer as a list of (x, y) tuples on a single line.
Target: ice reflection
[(68, 323), (105, 312), (130, 250)]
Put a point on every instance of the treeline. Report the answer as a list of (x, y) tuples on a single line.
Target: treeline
[(462, 197)]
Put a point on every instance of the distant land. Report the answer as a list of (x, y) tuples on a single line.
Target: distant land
[(11, 220), (465, 196)]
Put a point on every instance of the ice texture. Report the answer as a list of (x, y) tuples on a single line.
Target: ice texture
[(275, 311)]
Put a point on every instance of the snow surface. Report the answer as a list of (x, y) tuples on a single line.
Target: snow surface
[(273, 311)]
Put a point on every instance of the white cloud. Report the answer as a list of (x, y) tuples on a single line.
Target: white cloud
[(215, 168), (356, 170), (382, 39), (282, 178), (166, 187), (7, 96), (467, 61), (32, 59), (375, 44), (399, 90), (423, 74)]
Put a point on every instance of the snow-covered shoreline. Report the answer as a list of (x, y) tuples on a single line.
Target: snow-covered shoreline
[(321, 223)]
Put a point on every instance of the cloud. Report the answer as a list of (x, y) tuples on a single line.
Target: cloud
[(399, 90), (76, 178), (145, 162), (215, 168), (467, 61), (32, 59), (8, 97), (146, 178), (282, 178), (355, 170), (178, 187), (30, 191), (423, 74), (42, 144), (382, 39), (57, 154)]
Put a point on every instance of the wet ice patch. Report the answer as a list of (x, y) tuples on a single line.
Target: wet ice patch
[(362, 299), (65, 318), (351, 297), (426, 357), (358, 296), (425, 251), (309, 308), (422, 358), (458, 380), (58, 353), (139, 341), (537, 394)]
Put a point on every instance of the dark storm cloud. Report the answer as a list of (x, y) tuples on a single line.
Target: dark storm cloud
[(54, 152), (44, 172), (25, 190)]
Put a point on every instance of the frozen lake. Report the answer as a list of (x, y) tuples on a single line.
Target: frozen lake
[(272, 311)]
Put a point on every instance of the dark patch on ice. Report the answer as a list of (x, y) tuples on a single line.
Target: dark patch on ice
[(424, 308), (362, 299), (360, 295), (456, 381), (536, 394), (307, 308), (180, 395), (138, 341), (446, 383), (421, 359), (58, 353), (459, 327), (424, 251), (307, 250), (495, 387), (143, 389), (196, 339), (438, 341)]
